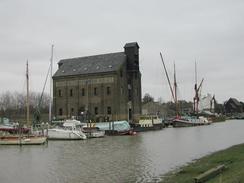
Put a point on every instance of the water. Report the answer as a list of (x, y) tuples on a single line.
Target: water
[(141, 158)]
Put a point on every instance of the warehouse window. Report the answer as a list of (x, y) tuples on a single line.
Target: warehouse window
[(96, 110), (83, 91), (108, 90), (71, 92), (95, 91), (60, 112), (60, 93), (121, 73), (109, 110)]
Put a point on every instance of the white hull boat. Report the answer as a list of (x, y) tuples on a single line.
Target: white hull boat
[(24, 140), (71, 130), (94, 132), (64, 134), (190, 121)]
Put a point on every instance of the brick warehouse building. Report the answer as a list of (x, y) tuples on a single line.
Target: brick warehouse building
[(103, 87)]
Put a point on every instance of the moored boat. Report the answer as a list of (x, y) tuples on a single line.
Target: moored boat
[(120, 133), (187, 121), (22, 140), (70, 130), (16, 134), (93, 132), (113, 127), (148, 123), (13, 128)]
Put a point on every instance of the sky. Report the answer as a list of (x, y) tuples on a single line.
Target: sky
[(210, 32)]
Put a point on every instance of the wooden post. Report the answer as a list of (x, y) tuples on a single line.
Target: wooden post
[(47, 129), (209, 174)]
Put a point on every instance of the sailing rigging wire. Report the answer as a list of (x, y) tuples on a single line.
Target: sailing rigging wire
[(40, 100), (171, 89)]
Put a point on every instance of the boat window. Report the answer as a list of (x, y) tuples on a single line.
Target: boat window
[(68, 127)]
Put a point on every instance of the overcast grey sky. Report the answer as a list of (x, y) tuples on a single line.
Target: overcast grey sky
[(210, 31)]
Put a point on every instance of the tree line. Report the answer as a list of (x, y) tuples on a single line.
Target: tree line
[(185, 106), (13, 104)]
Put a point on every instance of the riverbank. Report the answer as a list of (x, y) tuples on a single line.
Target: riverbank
[(232, 157)]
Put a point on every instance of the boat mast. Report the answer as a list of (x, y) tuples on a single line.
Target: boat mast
[(50, 94), (176, 100), (196, 88), (212, 104), (170, 86), (27, 96)]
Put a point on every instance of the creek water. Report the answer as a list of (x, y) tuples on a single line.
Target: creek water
[(145, 157)]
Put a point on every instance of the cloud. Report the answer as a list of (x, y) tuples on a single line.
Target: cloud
[(210, 32)]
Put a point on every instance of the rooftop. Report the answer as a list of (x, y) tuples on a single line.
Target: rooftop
[(91, 64)]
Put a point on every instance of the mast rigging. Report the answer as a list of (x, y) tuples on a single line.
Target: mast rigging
[(171, 89)]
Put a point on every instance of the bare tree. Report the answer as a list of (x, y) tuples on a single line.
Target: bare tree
[(13, 104), (147, 98)]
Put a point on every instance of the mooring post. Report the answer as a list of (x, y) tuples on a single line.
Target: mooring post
[(42, 127), (47, 125)]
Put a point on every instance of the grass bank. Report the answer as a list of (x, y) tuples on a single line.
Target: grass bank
[(232, 157)]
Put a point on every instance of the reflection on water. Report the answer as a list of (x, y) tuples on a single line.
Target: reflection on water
[(141, 158)]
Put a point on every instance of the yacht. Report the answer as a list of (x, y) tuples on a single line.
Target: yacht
[(70, 130)]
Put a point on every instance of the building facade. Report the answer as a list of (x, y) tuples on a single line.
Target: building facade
[(99, 88), (233, 106)]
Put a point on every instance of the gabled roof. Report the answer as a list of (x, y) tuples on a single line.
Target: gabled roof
[(91, 64), (234, 101)]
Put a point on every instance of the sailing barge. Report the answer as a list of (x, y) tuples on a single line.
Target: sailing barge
[(187, 121), (184, 121), (20, 138)]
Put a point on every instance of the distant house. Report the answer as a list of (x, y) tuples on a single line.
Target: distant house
[(242, 103), (102, 87), (206, 103), (153, 108), (233, 106)]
